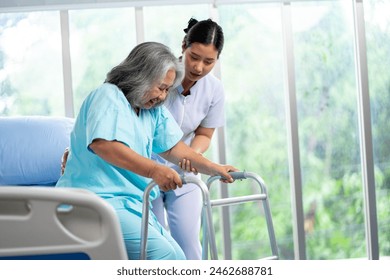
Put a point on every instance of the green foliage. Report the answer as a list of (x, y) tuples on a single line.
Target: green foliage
[(328, 131), (101, 40)]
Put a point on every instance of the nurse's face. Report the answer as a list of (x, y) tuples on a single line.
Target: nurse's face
[(199, 60), (159, 92)]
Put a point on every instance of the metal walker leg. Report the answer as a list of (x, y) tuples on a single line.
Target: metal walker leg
[(206, 215), (242, 199)]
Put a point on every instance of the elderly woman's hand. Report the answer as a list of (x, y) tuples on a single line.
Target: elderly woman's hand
[(64, 159), (223, 171), (166, 178)]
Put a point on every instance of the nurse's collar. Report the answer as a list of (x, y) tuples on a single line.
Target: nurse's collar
[(180, 90)]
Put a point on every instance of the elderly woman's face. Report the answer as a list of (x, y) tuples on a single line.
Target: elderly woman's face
[(160, 91)]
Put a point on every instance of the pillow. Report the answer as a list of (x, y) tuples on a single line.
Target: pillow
[(31, 149)]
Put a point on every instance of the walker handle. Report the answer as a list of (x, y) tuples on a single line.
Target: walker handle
[(236, 175)]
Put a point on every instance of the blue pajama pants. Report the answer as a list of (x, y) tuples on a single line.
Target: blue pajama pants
[(182, 210), (160, 244)]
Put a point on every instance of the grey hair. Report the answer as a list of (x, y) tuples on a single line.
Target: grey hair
[(146, 65)]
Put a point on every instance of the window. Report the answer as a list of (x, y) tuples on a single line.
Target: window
[(328, 130), (377, 17), (174, 19), (30, 64), (252, 74), (99, 40)]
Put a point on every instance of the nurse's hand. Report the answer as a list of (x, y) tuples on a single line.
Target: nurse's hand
[(185, 165), (166, 178)]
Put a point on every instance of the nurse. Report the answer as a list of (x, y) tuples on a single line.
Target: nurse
[(118, 127), (197, 105)]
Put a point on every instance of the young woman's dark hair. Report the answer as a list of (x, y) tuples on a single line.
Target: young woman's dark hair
[(205, 32)]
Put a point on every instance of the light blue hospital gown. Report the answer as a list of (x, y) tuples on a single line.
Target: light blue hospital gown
[(107, 114)]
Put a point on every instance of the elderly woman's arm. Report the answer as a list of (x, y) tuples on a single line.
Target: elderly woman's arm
[(182, 153), (120, 155)]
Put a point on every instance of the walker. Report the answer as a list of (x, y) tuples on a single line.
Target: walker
[(207, 215), (238, 200), (207, 223)]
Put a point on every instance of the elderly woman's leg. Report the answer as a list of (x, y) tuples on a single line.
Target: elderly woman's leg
[(160, 243)]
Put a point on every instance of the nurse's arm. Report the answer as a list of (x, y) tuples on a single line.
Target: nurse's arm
[(200, 143), (120, 155), (181, 152), (202, 139)]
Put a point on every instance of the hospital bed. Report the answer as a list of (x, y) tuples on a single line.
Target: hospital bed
[(38, 221), (57, 223)]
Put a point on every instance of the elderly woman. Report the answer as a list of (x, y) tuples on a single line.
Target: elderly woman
[(118, 127)]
